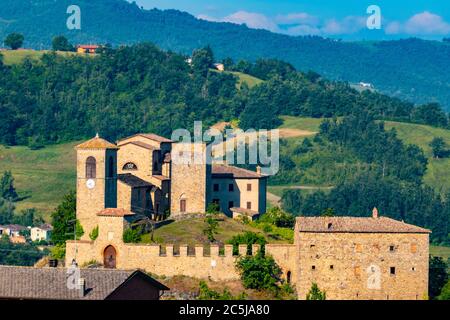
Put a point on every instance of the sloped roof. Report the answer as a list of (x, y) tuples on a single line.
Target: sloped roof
[(220, 170), (51, 283), (15, 227), (247, 212), (133, 181), (115, 212), (46, 227), (97, 143), (150, 136), (356, 225), (140, 144)]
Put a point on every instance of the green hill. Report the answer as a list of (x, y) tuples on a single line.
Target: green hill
[(390, 65), (17, 56)]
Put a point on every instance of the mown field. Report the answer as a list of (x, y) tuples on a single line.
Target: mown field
[(42, 177), (17, 56)]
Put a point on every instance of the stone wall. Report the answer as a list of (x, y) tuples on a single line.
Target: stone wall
[(358, 265)]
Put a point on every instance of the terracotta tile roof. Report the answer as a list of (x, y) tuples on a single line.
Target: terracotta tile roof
[(88, 46), (150, 136), (356, 225), (15, 227), (133, 181), (225, 171), (46, 227), (115, 212), (160, 177), (247, 212), (96, 143), (51, 283), (140, 144)]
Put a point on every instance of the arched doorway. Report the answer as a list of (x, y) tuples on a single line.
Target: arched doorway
[(109, 257)]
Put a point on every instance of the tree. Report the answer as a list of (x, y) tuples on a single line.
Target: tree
[(131, 235), (445, 292), (14, 41), (7, 189), (211, 226), (259, 271), (249, 238), (438, 147), (6, 211), (28, 217), (315, 293), (63, 219), (202, 60), (329, 212), (94, 234), (438, 276), (60, 43)]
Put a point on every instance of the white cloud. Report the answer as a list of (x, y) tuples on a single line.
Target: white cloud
[(425, 23), (348, 25), (252, 20), (301, 18)]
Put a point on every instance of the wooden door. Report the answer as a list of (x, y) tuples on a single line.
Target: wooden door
[(109, 257), (183, 205)]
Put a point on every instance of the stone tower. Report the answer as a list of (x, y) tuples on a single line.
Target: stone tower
[(96, 181), (190, 178)]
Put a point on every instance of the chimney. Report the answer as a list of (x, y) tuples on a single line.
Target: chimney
[(375, 213), (258, 169), (81, 287)]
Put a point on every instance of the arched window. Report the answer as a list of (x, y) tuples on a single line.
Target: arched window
[(129, 166), (91, 168), (110, 167)]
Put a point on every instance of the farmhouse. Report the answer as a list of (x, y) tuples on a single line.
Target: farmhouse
[(87, 48)]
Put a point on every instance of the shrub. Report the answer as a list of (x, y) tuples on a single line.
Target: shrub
[(132, 235), (278, 217), (94, 234), (247, 238), (315, 293), (211, 226), (58, 252), (213, 208), (205, 293), (259, 272)]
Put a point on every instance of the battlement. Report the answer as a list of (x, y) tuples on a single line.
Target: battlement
[(226, 251)]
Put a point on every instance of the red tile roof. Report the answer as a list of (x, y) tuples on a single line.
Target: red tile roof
[(356, 225), (150, 136), (96, 143), (115, 212), (225, 171), (140, 144)]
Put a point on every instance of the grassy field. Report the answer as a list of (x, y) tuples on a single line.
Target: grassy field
[(440, 251), (438, 170), (14, 57), (41, 176), (190, 232), (242, 77)]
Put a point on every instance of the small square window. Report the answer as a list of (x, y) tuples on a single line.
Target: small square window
[(391, 248), (331, 267), (392, 271), (413, 269), (231, 187), (249, 187), (312, 246), (313, 267), (249, 205), (216, 187)]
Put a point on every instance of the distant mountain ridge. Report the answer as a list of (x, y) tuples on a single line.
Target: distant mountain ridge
[(413, 69)]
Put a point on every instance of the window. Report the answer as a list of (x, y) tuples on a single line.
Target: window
[(111, 167), (392, 271), (391, 248), (288, 277), (313, 267), (249, 187), (330, 226), (249, 205), (413, 269), (230, 204), (129, 166), (231, 187), (91, 168), (331, 267), (312, 246), (216, 187)]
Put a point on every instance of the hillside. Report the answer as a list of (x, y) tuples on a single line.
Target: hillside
[(438, 170), (390, 65), (18, 56)]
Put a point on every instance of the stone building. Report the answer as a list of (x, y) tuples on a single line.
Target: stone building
[(139, 174), (142, 176)]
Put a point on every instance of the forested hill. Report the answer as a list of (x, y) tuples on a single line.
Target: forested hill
[(412, 69), (122, 91)]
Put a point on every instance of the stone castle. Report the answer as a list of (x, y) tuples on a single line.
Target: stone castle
[(136, 178)]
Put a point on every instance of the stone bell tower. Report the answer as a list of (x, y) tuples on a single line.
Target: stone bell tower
[(96, 181)]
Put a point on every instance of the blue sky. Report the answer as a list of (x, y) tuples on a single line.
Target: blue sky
[(331, 18)]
